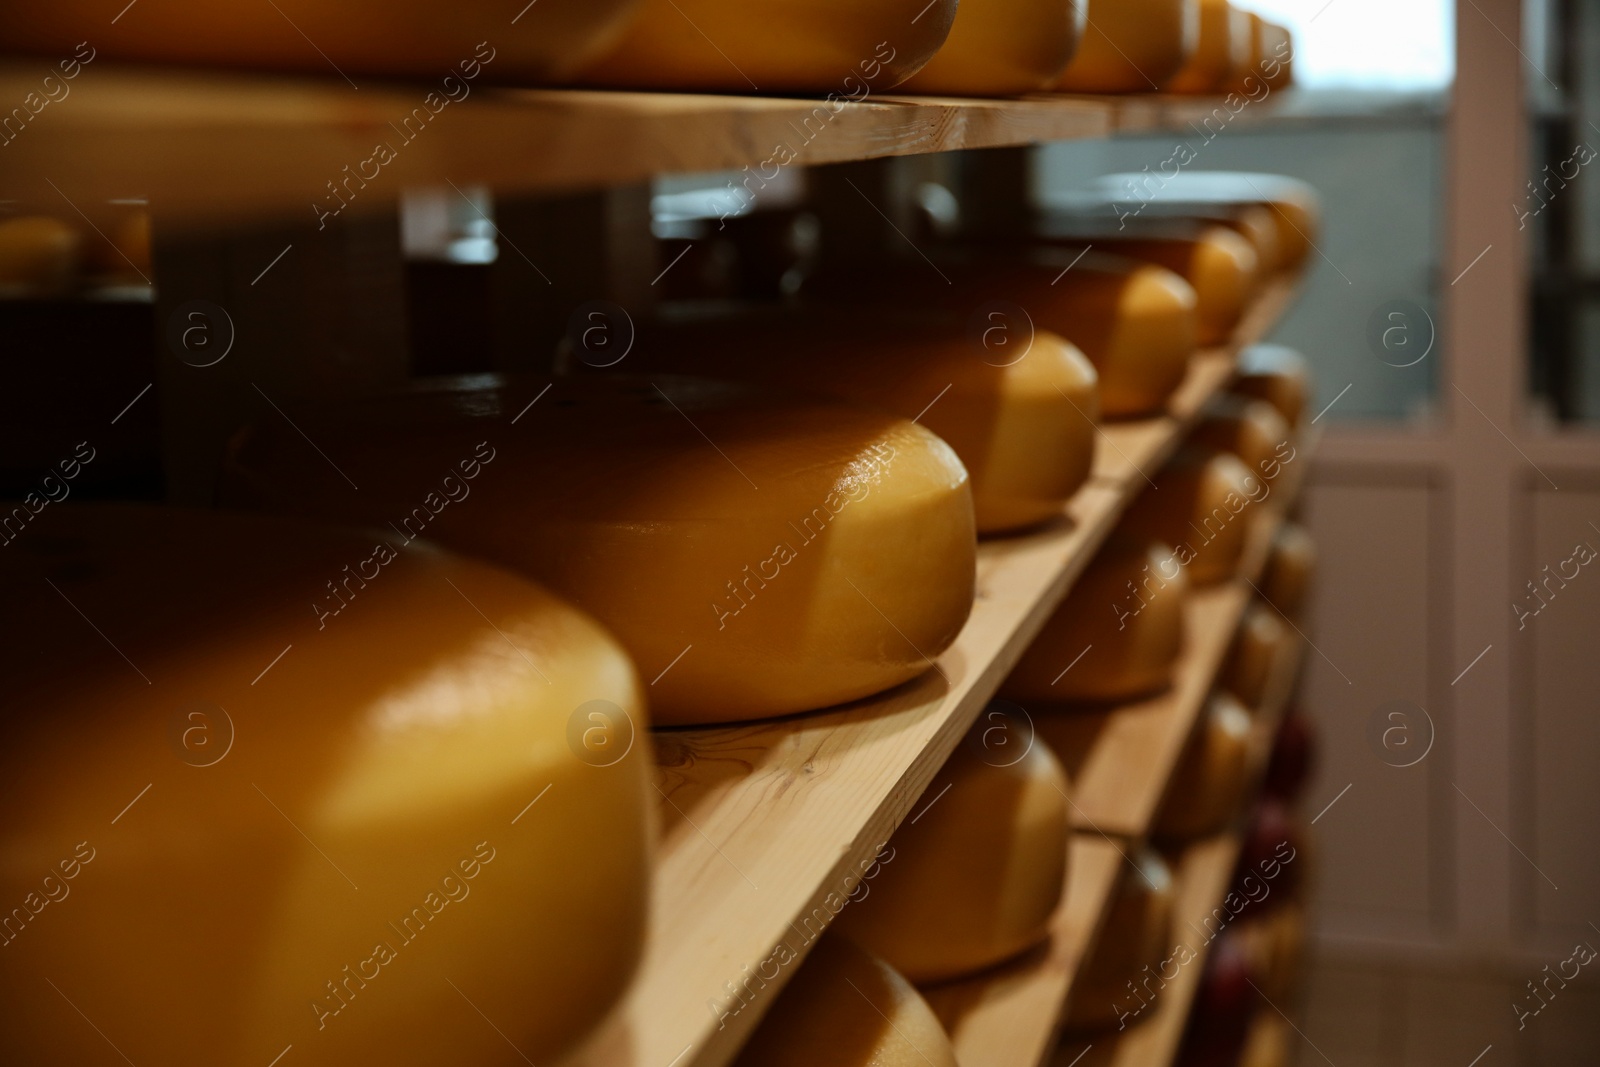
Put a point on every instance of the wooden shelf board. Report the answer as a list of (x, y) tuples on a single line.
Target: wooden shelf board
[(1201, 877), (764, 824), (1007, 1016), (209, 146)]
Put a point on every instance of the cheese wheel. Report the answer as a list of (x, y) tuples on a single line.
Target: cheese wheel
[(975, 878), (1003, 47), (755, 555), (1289, 569), (1208, 787), (845, 48), (847, 1008), (1019, 411), (1251, 429), (1200, 504), (1124, 618), (38, 255), (1132, 46), (1248, 77), (1132, 946), (1277, 374), (1261, 642), (122, 255), (449, 45), (1219, 263), (1218, 50), (1255, 223), (274, 773), (1293, 203), (1268, 1042), (1277, 55)]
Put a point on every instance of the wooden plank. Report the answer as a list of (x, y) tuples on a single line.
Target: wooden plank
[(207, 146), (1007, 1016), (766, 826), (1201, 877)]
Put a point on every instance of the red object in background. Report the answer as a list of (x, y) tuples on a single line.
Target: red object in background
[(1293, 754), (1273, 853), (1223, 1007)]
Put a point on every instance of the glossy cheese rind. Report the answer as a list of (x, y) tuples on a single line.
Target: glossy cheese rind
[(1002, 48), (1260, 644), (845, 48), (1290, 568), (230, 798), (756, 555), (846, 1007), (1019, 411), (1277, 374), (976, 878), (1136, 936), (1251, 429), (1124, 616), (1218, 263), (1207, 789), (451, 46), (1218, 50), (1202, 506), (1132, 46)]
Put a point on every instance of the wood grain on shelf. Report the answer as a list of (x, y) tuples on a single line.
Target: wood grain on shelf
[(1201, 877), (1007, 1017), (207, 146)]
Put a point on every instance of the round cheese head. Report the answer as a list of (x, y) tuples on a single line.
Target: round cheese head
[(848, 1008), (975, 879), (1116, 636), (755, 555), (1218, 263), (1256, 223), (1133, 944), (1277, 374), (833, 46), (1215, 54), (1251, 429), (451, 46), (1269, 1041), (1262, 640), (293, 784), (1277, 55), (1290, 568), (1002, 48), (1208, 787), (1018, 410), (1132, 46), (38, 256), (122, 253), (1201, 505)]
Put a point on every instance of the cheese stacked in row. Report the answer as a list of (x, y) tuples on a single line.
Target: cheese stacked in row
[(273, 776)]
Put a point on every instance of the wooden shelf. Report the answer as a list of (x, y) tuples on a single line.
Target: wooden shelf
[(763, 823), (1201, 877), (208, 146)]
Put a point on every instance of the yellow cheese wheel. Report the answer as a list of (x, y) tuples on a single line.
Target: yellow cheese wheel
[(38, 255), (1003, 47), (1132, 46), (1262, 641), (756, 555), (845, 1007), (1256, 224), (1218, 262), (255, 820), (1018, 411), (1277, 374), (1289, 568), (845, 48), (1120, 630), (977, 875), (449, 45), (1218, 50), (1208, 787), (1135, 321), (1248, 77), (1201, 505), (1277, 55), (1251, 429), (1124, 967)]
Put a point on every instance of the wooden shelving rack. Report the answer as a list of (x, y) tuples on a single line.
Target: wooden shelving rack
[(760, 824)]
